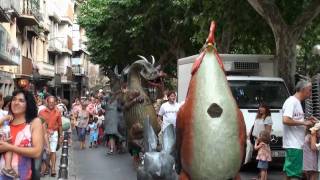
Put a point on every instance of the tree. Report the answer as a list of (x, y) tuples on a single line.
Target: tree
[(169, 29), (287, 26), (120, 30)]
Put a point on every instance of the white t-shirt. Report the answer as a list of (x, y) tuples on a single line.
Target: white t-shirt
[(41, 107), (3, 113), (100, 120), (293, 136), (168, 112), (259, 125)]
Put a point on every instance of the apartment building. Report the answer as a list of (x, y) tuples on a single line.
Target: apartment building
[(40, 42), (80, 55)]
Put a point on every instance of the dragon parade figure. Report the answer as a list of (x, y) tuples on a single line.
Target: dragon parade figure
[(136, 103)]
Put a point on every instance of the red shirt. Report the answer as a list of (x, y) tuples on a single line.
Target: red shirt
[(14, 130), (52, 118)]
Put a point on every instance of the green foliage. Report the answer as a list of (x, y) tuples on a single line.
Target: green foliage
[(309, 63), (119, 30)]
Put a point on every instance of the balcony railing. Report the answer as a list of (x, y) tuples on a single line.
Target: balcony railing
[(45, 69), (26, 66), (55, 45), (9, 54), (68, 17), (30, 13), (67, 77), (53, 11), (78, 70), (16, 6), (4, 4)]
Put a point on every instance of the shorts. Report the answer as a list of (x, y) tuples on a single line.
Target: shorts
[(263, 164), (82, 134), (93, 137), (293, 163), (53, 141)]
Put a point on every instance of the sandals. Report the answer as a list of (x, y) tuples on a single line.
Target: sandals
[(9, 173), (53, 173)]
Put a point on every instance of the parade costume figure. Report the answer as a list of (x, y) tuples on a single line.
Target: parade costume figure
[(158, 165), (137, 104), (211, 133)]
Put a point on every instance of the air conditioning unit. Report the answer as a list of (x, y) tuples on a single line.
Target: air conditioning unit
[(244, 67)]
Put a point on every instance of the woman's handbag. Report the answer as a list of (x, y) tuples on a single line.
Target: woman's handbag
[(65, 123)]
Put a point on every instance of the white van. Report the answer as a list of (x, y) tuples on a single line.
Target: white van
[(252, 80)]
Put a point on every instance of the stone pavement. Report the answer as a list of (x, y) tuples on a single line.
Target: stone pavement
[(71, 170)]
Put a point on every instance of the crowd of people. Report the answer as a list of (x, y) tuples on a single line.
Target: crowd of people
[(31, 130)]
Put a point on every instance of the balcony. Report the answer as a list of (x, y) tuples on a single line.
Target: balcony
[(68, 18), (9, 54), (53, 12), (26, 66), (45, 69), (78, 70), (66, 44), (67, 77), (55, 45), (30, 15), (16, 7)]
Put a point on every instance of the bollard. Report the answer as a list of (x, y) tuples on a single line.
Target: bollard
[(63, 172), (66, 136), (65, 142), (65, 150), (64, 159)]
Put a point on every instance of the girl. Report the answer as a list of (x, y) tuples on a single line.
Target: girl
[(100, 124), (264, 153), (93, 128), (310, 157)]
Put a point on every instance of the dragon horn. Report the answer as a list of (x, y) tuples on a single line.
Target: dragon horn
[(153, 60), (142, 57), (116, 70), (125, 70)]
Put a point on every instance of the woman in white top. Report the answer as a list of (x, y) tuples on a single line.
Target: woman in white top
[(263, 121)]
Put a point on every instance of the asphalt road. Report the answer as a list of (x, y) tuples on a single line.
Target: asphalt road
[(94, 164)]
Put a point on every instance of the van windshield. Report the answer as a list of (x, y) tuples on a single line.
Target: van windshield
[(249, 94)]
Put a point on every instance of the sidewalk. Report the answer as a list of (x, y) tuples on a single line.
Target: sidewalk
[(71, 170)]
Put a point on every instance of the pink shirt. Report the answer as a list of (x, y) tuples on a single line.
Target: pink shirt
[(76, 108), (91, 108)]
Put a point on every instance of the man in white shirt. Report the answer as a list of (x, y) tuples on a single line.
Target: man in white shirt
[(168, 111), (294, 130)]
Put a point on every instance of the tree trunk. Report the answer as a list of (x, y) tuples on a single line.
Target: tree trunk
[(226, 37), (286, 58)]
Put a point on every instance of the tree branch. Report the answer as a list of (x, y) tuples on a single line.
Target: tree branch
[(271, 13), (305, 19)]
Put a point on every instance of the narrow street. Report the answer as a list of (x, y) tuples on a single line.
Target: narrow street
[(94, 164)]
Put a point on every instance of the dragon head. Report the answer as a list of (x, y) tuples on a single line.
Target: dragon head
[(148, 71)]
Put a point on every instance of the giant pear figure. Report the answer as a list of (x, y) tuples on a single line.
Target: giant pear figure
[(211, 132)]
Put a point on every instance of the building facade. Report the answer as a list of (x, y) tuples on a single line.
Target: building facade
[(41, 41)]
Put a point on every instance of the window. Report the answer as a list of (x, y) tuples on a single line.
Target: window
[(52, 58), (249, 94)]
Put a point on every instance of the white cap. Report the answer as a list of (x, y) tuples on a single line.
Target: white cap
[(100, 90)]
